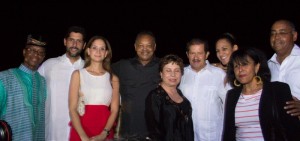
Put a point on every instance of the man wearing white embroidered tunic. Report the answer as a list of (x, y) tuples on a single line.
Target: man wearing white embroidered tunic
[(23, 94), (203, 85), (57, 72)]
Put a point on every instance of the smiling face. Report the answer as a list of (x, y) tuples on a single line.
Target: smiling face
[(282, 38), (224, 49), (33, 56), (74, 45), (171, 74), (145, 47), (97, 51), (197, 56)]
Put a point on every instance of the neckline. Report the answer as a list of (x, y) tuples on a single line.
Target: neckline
[(254, 96), (94, 74)]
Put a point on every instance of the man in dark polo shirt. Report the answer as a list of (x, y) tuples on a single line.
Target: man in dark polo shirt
[(138, 76)]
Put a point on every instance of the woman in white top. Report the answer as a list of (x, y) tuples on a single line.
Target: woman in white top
[(98, 89)]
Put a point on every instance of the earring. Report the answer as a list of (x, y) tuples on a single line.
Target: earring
[(258, 79), (235, 82)]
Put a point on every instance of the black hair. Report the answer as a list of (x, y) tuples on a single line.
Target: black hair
[(145, 32), (228, 37), (240, 57), (197, 41), (76, 29)]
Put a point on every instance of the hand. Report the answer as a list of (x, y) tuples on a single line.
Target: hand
[(100, 137), (85, 138), (293, 107)]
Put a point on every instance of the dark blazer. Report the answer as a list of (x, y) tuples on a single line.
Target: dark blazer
[(270, 90)]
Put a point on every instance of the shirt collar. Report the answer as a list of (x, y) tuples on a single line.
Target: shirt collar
[(25, 69), (64, 58), (207, 67), (153, 61), (295, 52)]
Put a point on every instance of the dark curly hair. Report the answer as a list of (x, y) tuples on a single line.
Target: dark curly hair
[(171, 58)]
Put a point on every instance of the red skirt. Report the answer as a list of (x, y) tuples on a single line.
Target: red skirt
[(92, 122)]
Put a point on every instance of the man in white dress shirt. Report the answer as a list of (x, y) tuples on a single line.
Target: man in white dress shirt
[(285, 63), (57, 72), (203, 85)]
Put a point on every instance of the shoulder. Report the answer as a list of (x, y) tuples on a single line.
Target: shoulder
[(156, 90), (51, 61), (216, 64), (115, 78), (187, 68), (123, 61), (76, 73), (156, 59), (219, 65), (277, 84), (216, 70), (234, 91), (277, 87), (4, 74), (120, 63)]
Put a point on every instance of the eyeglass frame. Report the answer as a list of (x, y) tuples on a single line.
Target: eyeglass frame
[(32, 51), (72, 40), (280, 33)]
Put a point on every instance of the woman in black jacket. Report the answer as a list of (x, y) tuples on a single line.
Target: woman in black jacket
[(254, 107), (168, 112)]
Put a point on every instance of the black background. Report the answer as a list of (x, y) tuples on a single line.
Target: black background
[(173, 22)]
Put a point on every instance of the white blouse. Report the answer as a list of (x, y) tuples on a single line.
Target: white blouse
[(97, 90)]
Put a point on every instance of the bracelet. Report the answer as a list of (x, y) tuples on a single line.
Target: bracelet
[(106, 131)]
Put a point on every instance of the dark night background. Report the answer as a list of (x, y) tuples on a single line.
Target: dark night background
[(173, 23)]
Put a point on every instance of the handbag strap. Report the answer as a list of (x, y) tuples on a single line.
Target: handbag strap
[(80, 93)]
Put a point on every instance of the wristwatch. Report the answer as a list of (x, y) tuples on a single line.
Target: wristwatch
[(106, 131)]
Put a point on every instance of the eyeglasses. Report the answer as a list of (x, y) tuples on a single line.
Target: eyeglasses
[(78, 41), (280, 33), (34, 51)]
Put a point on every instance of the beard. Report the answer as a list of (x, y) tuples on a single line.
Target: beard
[(74, 54)]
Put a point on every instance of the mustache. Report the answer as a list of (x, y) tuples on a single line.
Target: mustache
[(74, 48), (196, 60)]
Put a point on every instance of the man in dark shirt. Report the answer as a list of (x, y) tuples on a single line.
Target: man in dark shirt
[(138, 76)]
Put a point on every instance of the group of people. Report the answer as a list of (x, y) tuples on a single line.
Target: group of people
[(244, 97)]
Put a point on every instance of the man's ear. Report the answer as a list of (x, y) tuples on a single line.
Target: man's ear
[(207, 54)]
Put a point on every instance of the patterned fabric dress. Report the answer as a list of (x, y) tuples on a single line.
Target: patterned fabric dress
[(22, 103), (97, 91)]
